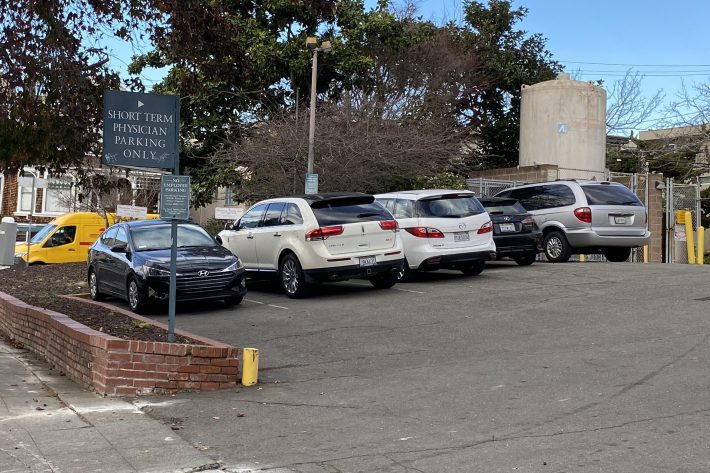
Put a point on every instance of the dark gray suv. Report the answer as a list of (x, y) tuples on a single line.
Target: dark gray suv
[(584, 217)]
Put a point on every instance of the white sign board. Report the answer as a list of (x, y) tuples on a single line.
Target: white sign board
[(131, 211), (27, 182), (228, 213)]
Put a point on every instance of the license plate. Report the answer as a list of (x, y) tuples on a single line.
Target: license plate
[(367, 261), (461, 236), (620, 220), (507, 227)]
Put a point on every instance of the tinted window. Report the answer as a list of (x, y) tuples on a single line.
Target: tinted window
[(63, 236), (450, 206), (292, 216), (121, 238), (403, 209), (342, 211), (158, 237), (273, 215), (108, 236), (547, 196), (252, 218), (610, 195), (503, 206)]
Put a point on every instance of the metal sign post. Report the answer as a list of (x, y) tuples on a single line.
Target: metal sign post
[(143, 130), (174, 205)]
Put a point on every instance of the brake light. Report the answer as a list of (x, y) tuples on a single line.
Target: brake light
[(584, 214), (486, 228), (323, 233), (528, 223), (389, 225), (425, 232)]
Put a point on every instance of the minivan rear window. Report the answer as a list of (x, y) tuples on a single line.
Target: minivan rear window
[(600, 194), (343, 211), (450, 206)]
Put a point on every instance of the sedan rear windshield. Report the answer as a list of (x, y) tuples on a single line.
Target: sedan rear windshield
[(450, 206), (157, 237), (610, 195), (343, 211), (503, 206)]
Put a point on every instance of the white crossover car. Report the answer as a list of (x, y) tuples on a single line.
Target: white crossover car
[(318, 238), (441, 229)]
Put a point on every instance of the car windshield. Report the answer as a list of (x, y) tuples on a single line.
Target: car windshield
[(503, 206), (42, 234), (157, 237), (610, 195), (450, 206)]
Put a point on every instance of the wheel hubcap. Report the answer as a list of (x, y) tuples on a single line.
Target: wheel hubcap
[(554, 247), (133, 295), (92, 284), (289, 276)]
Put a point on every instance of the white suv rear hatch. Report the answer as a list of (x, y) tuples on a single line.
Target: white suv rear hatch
[(354, 225), (457, 216)]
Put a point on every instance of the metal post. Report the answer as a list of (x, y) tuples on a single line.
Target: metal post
[(29, 218), (312, 125), (173, 246)]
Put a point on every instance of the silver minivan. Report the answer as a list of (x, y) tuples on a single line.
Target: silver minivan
[(584, 217)]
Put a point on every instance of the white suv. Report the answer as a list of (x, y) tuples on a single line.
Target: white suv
[(442, 229), (318, 238)]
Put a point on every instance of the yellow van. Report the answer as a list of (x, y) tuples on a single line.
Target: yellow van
[(66, 239)]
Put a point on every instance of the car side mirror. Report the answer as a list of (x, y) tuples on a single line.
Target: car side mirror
[(119, 249), (229, 226)]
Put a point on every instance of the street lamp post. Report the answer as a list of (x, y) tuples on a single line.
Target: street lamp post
[(324, 47)]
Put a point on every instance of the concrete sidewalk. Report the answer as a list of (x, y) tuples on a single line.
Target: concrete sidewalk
[(50, 424)]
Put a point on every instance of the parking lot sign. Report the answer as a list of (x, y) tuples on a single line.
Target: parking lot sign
[(175, 197), (140, 130)]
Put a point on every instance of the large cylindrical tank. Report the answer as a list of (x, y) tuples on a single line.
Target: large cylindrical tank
[(563, 122)]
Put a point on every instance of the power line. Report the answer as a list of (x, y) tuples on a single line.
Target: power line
[(634, 65)]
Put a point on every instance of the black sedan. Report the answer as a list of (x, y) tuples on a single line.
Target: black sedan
[(514, 231), (131, 260)]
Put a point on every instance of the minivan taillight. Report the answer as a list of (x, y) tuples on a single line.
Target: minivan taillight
[(486, 228), (324, 232), (584, 214), (389, 225), (425, 232)]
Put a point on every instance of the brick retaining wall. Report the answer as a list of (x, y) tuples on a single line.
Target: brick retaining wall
[(114, 366)]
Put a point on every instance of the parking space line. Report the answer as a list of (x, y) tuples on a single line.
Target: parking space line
[(395, 287), (264, 303)]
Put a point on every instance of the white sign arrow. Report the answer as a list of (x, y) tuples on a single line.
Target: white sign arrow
[(140, 104)]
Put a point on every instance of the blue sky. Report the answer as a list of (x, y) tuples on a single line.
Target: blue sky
[(666, 41)]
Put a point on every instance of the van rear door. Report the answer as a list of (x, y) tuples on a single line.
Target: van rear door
[(616, 211)]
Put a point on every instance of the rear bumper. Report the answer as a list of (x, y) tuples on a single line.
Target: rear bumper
[(455, 261), (513, 244), (342, 273), (588, 239)]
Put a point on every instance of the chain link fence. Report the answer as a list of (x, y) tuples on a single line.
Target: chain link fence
[(680, 197), (490, 187)]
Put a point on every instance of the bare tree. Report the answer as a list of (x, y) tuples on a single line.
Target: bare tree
[(627, 107)]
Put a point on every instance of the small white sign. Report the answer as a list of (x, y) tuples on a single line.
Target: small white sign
[(27, 182), (131, 211), (311, 183), (228, 213)]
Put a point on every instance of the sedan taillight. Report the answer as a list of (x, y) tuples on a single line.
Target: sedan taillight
[(486, 228), (323, 233), (584, 214), (425, 232)]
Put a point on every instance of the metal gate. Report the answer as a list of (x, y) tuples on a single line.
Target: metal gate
[(490, 187), (638, 183), (679, 197)]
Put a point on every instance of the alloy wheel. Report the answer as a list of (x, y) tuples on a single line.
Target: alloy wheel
[(93, 285), (133, 296), (554, 247), (289, 276)]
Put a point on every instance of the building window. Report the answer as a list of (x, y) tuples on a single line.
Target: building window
[(57, 196), (229, 197), (25, 196)]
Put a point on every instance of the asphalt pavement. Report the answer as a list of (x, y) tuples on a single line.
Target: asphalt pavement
[(591, 367)]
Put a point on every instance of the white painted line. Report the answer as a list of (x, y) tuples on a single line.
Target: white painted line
[(255, 302), (408, 290), (277, 306)]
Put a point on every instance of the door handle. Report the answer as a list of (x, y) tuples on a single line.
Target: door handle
[(71, 249), (277, 234), (250, 236)]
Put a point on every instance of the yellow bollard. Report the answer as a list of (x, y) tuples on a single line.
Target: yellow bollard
[(582, 258), (250, 364), (701, 245), (689, 237), (645, 254)]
